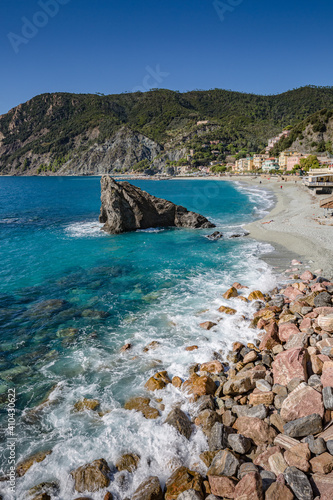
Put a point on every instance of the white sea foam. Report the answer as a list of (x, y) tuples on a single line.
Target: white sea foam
[(84, 229), (264, 198), (172, 318)]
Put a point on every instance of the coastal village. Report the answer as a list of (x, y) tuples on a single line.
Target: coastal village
[(288, 161)]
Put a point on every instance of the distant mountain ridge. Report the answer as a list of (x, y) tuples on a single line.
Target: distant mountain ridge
[(63, 133)]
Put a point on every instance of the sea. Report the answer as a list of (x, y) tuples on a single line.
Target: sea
[(71, 296)]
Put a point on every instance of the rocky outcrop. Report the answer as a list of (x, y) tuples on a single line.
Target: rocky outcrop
[(127, 208)]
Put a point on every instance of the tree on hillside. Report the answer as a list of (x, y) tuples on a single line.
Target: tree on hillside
[(310, 162)]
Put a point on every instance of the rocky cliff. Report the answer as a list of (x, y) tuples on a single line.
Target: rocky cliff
[(127, 208)]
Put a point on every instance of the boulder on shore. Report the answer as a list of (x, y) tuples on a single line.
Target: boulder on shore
[(127, 208)]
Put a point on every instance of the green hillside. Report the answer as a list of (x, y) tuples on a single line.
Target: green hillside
[(52, 129)]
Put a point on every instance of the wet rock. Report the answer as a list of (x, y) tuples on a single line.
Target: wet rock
[(44, 496), (199, 386), (25, 465), (216, 235), (181, 480), (207, 325), (203, 403), (150, 489), (216, 437), (322, 464), (227, 310), (128, 462), (91, 477), (158, 381), (87, 404), (127, 208), (208, 456), (50, 488), (304, 426), (222, 486), (229, 294), (93, 314), (239, 235), (125, 347), (278, 491), (206, 419), (152, 346), (223, 464), (257, 430), (108, 496), (299, 483), (288, 365), (179, 420), (301, 402), (249, 487), (239, 443), (176, 382), (256, 295), (142, 405), (214, 367)]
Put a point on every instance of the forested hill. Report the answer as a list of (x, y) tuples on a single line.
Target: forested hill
[(85, 133)]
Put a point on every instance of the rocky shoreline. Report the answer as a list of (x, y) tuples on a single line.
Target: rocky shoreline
[(266, 411)]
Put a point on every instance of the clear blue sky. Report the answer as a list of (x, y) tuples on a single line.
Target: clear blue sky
[(106, 46)]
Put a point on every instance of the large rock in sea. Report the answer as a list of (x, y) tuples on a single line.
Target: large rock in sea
[(127, 208)]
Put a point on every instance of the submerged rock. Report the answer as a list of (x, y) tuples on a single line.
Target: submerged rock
[(215, 236), (179, 420), (25, 465), (127, 208)]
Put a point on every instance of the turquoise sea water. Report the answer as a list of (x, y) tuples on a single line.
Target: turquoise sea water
[(71, 296)]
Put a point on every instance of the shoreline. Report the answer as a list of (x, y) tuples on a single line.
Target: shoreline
[(295, 227)]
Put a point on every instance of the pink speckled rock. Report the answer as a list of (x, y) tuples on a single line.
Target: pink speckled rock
[(307, 276), (301, 402), (288, 365), (286, 330), (327, 378), (292, 293)]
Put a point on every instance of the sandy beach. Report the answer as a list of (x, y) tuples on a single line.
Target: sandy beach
[(296, 223)]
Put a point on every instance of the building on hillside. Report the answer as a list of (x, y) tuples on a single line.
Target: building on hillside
[(294, 160), (275, 140), (258, 160), (270, 164), (283, 158), (202, 122)]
